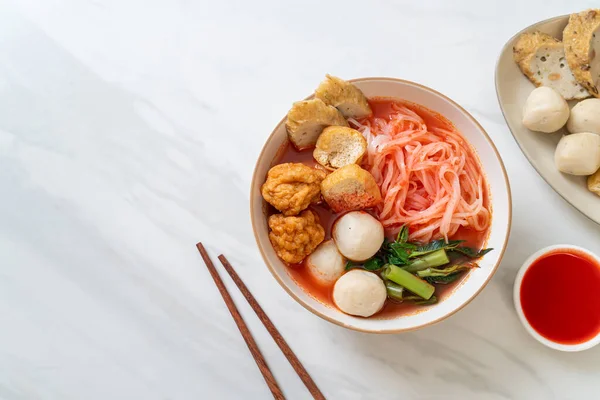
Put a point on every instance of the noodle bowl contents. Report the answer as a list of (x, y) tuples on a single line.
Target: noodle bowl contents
[(380, 208), (429, 176)]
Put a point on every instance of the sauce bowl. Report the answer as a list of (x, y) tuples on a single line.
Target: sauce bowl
[(566, 248)]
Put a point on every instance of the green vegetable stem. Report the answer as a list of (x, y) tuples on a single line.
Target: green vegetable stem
[(445, 271), (394, 291), (435, 259), (443, 279), (419, 301), (408, 281)]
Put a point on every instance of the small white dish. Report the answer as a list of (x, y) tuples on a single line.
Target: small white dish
[(517, 299)]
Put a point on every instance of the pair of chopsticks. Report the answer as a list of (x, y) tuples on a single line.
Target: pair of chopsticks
[(252, 346)]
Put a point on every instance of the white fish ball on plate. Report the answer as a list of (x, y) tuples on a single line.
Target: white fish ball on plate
[(585, 117), (358, 235), (326, 264), (359, 292), (578, 154), (545, 110)]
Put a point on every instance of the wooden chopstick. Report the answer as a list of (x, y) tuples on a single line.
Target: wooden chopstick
[(239, 321), (289, 354)]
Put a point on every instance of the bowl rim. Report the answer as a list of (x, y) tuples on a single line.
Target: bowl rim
[(588, 344), (399, 330)]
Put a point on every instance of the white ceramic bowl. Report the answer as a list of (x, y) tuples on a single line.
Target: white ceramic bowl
[(517, 299), (500, 199)]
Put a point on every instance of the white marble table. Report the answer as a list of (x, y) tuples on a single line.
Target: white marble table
[(129, 131)]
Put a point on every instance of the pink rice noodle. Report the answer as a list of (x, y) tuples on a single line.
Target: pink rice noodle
[(429, 177)]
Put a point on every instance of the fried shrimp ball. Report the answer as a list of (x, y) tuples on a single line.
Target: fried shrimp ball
[(292, 187), (294, 238)]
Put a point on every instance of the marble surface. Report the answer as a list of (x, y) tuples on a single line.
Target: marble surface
[(129, 131)]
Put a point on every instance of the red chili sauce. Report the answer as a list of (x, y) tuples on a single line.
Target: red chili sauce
[(560, 296)]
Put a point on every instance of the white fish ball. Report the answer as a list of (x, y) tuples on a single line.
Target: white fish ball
[(578, 154), (359, 292), (326, 264), (545, 110), (585, 117), (358, 235)]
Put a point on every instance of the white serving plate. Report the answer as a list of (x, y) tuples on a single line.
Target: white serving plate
[(513, 88), (499, 231)]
